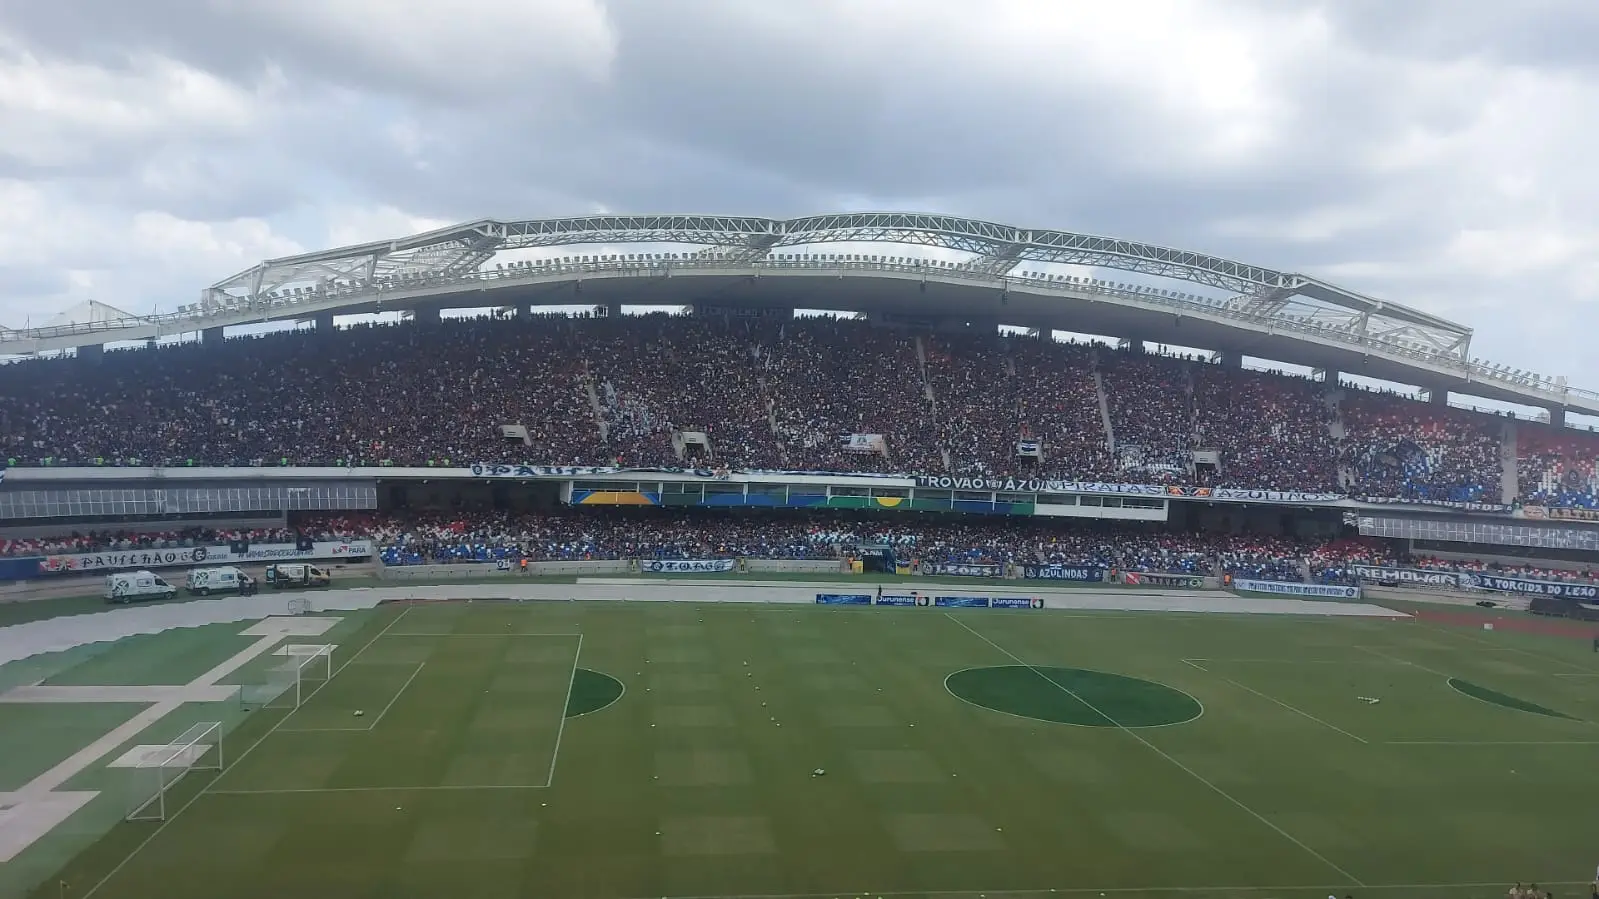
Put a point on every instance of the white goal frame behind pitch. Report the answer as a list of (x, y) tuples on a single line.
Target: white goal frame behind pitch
[(286, 684), (197, 749)]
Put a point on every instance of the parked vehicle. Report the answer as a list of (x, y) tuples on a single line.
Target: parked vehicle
[(227, 579), (137, 586), (297, 574)]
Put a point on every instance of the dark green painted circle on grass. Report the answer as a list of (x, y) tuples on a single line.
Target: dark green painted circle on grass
[(592, 691), (1072, 696), (1510, 702)]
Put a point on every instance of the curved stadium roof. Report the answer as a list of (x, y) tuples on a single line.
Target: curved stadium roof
[(1005, 273)]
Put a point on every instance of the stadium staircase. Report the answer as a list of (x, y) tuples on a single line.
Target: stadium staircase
[(1334, 398), (594, 404), (1509, 470), (1104, 408)]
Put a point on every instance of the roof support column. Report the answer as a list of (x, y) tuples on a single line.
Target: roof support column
[(1230, 359), (212, 335), (1437, 396), (92, 353), (324, 321), (1557, 416), (426, 314), (1134, 345)]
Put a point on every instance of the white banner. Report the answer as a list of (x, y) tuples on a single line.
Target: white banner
[(190, 556), (662, 566), (1282, 589), (863, 443)]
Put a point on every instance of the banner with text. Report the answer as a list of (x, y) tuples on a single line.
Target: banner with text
[(1016, 602), (1062, 573), (1556, 589), (961, 602), (955, 569), (901, 599), (675, 566), (843, 599), (1438, 503), (1048, 485), (1409, 577), (1279, 588), (223, 554), (1151, 579)]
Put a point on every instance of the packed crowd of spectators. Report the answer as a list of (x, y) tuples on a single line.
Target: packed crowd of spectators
[(1396, 447), (1556, 467), (1151, 403), (1270, 431), (769, 393), (132, 539), (589, 533)]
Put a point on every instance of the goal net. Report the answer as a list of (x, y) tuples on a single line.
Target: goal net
[(291, 681), (197, 749)]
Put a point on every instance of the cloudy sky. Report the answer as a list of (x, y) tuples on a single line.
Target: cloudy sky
[(1433, 152)]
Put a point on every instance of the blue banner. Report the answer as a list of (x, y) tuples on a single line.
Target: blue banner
[(1063, 573), (1325, 591), (21, 569), (843, 599), (1557, 589), (1016, 602), (896, 600), (961, 602)]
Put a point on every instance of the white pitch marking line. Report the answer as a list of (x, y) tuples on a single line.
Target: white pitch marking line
[(1492, 743), (379, 789), (1163, 754), (1072, 891), (1297, 711), (236, 760), (485, 634), (560, 729), (374, 723)]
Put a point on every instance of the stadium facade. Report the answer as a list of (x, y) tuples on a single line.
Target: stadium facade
[(997, 275)]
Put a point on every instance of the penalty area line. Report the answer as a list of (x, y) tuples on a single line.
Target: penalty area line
[(205, 790), (436, 788)]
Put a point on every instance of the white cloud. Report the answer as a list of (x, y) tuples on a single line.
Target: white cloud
[(150, 154)]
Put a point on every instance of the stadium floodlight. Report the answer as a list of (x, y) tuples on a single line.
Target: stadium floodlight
[(197, 749)]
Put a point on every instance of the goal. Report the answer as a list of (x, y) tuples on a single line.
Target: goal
[(197, 749), (290, 682)]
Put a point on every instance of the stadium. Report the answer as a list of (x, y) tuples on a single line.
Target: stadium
[(921, 597)]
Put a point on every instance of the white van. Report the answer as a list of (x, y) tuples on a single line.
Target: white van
[(137, 586), (206, 581), (297, 574)]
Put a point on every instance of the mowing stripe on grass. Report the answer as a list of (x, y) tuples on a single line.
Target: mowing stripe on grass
[(236, 760), (1163, 754), (1297, 711)]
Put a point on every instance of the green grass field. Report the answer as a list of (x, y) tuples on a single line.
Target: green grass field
[(667, 750)]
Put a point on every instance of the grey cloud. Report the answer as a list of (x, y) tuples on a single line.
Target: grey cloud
[(709, 108)]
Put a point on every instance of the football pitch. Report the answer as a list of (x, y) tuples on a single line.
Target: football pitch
[(631, 750)]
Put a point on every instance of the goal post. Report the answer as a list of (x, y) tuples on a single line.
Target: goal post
[(291, 681), (150, 780)]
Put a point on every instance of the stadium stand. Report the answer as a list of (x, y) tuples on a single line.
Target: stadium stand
[(768, 394), (1271, 431), (1557, 468)]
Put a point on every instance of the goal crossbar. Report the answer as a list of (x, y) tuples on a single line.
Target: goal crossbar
[(197, 749), (284, 684)]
